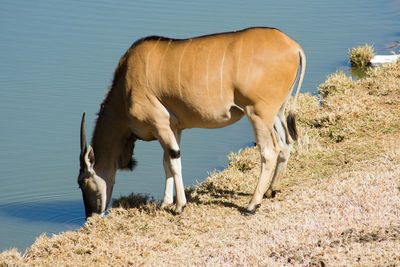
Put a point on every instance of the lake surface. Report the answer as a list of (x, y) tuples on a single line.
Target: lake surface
[(57, 60)]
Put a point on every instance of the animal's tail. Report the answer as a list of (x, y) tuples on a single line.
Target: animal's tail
[(290, 120)]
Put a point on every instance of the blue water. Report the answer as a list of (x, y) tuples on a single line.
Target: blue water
[(57, 60)]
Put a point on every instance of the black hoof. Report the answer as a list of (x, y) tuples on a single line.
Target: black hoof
[(251, 212), (271, 193), (175, 213)]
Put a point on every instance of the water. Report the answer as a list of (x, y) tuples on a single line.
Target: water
[(57, 60)]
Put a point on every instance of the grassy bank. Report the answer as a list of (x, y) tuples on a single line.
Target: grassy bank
[(339, 203)]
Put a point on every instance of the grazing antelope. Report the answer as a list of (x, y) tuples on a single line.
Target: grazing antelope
[(163, 86)]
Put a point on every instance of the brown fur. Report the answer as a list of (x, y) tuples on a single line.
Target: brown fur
[(126, 162), (163, 86)]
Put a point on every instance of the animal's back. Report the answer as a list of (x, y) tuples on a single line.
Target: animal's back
[(200, 79)]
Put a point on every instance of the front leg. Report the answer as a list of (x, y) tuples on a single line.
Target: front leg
[(170, 140), (176, 170), (169, 183)]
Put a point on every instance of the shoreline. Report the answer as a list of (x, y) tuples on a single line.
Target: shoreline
[(339, 202)]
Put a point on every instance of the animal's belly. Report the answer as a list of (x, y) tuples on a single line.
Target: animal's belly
[(210, 117)]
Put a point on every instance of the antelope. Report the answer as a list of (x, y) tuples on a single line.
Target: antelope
[(162, 86)]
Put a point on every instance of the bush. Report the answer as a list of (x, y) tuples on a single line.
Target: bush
[(336, 83), (132, 201), (361, 56)]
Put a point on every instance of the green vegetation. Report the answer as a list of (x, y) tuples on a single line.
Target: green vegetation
[(338, 206)]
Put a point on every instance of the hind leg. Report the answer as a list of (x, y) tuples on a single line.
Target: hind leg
[(283, 156), (264, 134), (281, 164)]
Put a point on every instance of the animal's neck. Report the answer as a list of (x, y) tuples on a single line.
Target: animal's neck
[(107, 140), (105, 151)]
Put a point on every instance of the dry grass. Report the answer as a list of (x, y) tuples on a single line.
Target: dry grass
[(339, 205), (361, 56)]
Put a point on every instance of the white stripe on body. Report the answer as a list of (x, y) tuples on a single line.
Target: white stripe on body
[(221, 74), (147, 63), (179, 66), (161, 65)]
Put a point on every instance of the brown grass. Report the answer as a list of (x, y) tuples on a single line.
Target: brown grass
[(339, 205), (361, 56)]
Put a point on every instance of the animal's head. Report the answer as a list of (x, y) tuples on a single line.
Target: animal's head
[(94, 188)]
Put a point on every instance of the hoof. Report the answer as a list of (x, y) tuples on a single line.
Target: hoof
[(178, 210), (165, 205), (251, 212), (271, 193)]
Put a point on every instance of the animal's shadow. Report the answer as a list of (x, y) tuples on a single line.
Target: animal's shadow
[(216, 196)]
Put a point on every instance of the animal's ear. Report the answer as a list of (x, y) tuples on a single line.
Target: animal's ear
[(89, 159)]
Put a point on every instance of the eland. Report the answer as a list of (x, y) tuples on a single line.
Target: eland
[(162, 86)]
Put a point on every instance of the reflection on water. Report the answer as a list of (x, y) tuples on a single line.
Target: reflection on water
[(359, 73), (64, 212), (57, 60), (22, 223)]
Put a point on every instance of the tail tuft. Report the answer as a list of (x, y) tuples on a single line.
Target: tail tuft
[(291, 124)]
